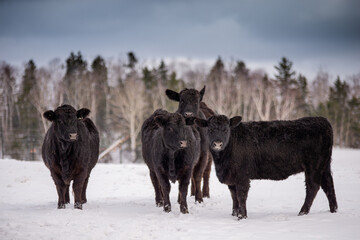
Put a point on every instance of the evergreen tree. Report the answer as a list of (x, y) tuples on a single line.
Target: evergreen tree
[(241, 71), (7, 108), (354, 118), (75, 77), (338, 111), (302, 95), (29, 120), (99, 78), (132, 60), (285, 76), (148, 79), (217, 72), (177, 85), (162, 73)]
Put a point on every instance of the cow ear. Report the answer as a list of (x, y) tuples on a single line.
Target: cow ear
[(49, 115), (235, 121), (190, 121), (172, 95), (82, 113), (202, 92), (201, 122), (161, 121)]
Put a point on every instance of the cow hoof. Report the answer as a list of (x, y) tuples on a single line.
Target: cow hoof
[(234, 212), (78, 205), (301, 213), (333, 210), (199, 200), (159, 204), (184, 209), (167, 208), (61, 206), (240, 216)]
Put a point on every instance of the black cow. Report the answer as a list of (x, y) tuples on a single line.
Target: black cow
[(170, 149), (190, 105), (70, 151), (271, 150)]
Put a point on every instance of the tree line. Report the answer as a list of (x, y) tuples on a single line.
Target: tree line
[(122, 94)]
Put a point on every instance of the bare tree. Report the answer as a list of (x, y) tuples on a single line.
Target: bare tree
[(263, 96), (355, 81), (284, 106), (320, 88), (128, 107)]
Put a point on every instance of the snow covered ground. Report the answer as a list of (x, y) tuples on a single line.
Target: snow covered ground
[(121, 206)]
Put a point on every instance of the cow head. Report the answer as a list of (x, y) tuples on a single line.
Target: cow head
[(65, 120), (189, 101), (173, 130), (219, 128)]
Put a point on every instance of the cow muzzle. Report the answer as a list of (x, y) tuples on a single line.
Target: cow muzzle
[(183, 144), (217, 145), (73, 136), (188, 114)]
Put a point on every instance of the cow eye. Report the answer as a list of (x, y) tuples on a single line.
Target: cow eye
[(170, 129), (60, 121)]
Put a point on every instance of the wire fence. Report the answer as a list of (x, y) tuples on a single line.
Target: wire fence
[(22, 144)]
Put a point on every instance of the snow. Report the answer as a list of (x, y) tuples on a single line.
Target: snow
[(121, 205)]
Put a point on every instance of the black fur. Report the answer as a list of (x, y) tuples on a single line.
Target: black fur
[(271, 150), (190, 105), (161, 134), (70, 151)]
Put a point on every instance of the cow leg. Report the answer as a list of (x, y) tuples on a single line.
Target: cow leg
[(242, 190), (235, 208), (83, 193), (206, 177), (327, 184), (165, 189), (183, 190), (193, 190), (60, 188), (78, 188), (312, 181), (198, 173), (158, 195), (67, 195)]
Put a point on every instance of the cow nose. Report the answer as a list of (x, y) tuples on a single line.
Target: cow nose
[(73, 136), (217, 145), (188, 114), (183, 144)]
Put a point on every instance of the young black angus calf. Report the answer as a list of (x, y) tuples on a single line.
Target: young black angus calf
[(70, 151), (190, 106), (271, 150), (170, 149)]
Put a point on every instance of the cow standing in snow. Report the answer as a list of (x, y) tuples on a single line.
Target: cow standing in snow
[(170, 149), (70, 151), (271, 150), (191, 105)]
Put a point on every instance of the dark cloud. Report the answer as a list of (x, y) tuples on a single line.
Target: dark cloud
[(249, 29)]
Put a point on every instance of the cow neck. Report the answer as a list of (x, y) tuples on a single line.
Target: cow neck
[(222, 162), (172, 169), (171, 161), (65, 147), (65, 151)]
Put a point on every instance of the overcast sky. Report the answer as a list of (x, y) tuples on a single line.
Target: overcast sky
[(313, 34)]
